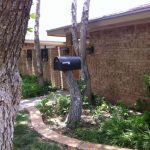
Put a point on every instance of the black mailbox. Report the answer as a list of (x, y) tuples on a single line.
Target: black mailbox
[(66, 63)]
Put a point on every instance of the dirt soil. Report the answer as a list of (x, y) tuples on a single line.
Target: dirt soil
[(58, 123)]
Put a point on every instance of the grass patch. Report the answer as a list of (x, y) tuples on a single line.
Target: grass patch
[(26, 138)]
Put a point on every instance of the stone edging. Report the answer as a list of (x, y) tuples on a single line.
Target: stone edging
[(64, 141)]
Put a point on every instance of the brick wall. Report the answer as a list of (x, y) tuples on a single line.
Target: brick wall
[(29, 67), (120, 61)]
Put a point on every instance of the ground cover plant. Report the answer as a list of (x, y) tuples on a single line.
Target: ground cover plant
[(31, 88), (147, 83), (59, 105), (109, 124), (25, 138)]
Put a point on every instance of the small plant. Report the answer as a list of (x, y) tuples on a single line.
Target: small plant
[(102, 110), (82, 86), (45, 107), (141, 105), (62, 104), (90, 135), (97, 99), (147, 83), (31, 88), (120, 111), (131, 131)]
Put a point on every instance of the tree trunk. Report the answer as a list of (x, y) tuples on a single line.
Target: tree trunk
[(37, 45), (74, 27), (85, 76), (76, 103), (75, 110), (13, 26)]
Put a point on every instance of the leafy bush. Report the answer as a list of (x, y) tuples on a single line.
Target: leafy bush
[(102, 110), (90, 135), (31, 88), (44, 107), (120, 126), (147, 83), (132, 132), (82, 86), (62, 104), (85, 100), (59, 107), (142, 105)]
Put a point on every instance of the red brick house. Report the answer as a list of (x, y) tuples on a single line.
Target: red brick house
[(121, 54)]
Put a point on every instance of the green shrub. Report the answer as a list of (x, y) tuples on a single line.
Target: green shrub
[(132, 132), (31, 88), (122, 127), (90, 135), (97, 99), (62, 104), (59, 107), (44, 107), (86, 102), (101, 110), (142, 105), (147, 83), (120, 111), (82, 86), (105, 109)]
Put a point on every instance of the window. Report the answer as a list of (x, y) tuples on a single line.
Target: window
[(44, 54), (29, 54)]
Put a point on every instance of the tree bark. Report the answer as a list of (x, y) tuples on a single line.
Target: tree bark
[(76, 100), (85, 76), (37, 45), (75, 110), (74, 27), (14, 17), (76, 103), (81, 50)]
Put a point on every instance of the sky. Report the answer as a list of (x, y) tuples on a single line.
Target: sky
[(57, 13)]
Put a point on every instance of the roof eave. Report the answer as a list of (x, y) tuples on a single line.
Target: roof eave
[(107, 22)]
